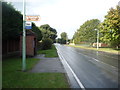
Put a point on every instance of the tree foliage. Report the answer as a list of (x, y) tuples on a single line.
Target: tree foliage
[(46, 44), (58, 40), (11, 21), (110, 28), (86, 32), (63, 38), (37, 31), (63, 35), (48, 32)]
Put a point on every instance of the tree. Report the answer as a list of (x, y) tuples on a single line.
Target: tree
[(86, 32), (37, 31), (46, 44), (76, 37), (11, 22), (63, 37), (48, 32), (58, 40), (110, 28)]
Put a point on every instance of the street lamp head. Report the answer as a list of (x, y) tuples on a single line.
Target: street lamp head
[(95, 29)]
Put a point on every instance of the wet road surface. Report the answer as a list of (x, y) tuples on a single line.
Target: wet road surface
[(94, 69)]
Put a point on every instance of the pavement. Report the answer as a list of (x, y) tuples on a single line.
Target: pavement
[(53, 65)]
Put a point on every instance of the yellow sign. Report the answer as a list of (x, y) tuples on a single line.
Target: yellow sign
[(32, 18)]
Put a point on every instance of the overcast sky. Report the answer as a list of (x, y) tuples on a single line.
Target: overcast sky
[(66, 15)]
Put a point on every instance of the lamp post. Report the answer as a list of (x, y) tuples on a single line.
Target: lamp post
[(97, 38), (66, 39), (24, 40)]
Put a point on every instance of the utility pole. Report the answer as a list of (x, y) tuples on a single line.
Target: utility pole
[(24, 40), (97, 39), (66, 39)]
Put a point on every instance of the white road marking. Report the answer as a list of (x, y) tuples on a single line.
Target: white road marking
[(75, 76)]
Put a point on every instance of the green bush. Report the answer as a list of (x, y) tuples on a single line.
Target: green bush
[(46, 44)]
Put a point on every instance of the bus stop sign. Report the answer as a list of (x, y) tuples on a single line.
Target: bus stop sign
[(28, 25)]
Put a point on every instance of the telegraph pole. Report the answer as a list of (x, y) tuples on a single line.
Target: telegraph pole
[(24, 40)]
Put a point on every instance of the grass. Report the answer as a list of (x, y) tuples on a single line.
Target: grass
[(13, 78), (49, 53), (109, 50)]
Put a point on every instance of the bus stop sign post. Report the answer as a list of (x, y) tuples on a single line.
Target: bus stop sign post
[(29, 26), (24, 40)]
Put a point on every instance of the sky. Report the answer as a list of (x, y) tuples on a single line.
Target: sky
[(66, 15)]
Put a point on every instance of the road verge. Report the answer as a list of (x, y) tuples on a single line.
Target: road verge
[(13, 77), (107, 50)]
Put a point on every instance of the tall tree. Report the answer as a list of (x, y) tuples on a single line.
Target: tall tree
[(110, 28), (11, 21), (86, 32)]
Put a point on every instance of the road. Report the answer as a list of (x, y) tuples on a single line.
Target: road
[(93, 69)]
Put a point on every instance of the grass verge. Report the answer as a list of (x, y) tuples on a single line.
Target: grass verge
[(49, 53), (109, 50), (12, 78)]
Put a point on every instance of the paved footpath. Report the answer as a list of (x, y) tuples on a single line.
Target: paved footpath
[(54, 65), (48, 65)]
